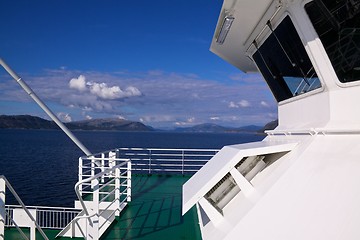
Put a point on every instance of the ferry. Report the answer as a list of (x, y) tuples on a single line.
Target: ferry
[(301, 181)]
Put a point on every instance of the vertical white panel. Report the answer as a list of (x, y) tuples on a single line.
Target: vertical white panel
[(2, 208)]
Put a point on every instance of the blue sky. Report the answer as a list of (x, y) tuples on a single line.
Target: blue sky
[(142, 60)]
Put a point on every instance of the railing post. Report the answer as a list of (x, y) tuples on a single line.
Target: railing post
[(150, 161), (112, 159), (80, 174), (128, 192), (183, 159), (32, 231), (93, 165), (93, 229), (103, 166), (2, 208), (117, 191)]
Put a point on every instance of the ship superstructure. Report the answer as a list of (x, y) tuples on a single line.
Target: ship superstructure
[(301, 181)]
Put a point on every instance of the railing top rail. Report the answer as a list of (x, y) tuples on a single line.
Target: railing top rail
[(171, 149), (101, 158), (44, 207), (106, 171), (153, 149)]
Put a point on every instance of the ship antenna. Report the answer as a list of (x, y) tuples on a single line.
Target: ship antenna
[(31, 93)]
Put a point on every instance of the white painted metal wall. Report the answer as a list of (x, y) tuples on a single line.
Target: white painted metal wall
[(312, 190)]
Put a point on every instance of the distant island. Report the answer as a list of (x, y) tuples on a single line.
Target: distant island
[(116, 124), (209, 127), (32, 122)]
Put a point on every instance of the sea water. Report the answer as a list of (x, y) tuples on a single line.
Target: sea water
[(42, 165)]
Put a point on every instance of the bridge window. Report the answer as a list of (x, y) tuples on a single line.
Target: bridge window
[(337, 25), (284, 63)]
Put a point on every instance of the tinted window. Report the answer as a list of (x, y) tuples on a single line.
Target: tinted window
[(337, 23), (284, 63)]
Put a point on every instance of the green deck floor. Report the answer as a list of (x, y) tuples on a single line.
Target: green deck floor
[(154, 213)]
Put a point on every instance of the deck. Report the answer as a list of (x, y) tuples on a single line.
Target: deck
[(154, 213)]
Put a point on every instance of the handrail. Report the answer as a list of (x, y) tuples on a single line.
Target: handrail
[(162, 160), (46, 216), (149, 160), (96, 182), (12, 190), (43, 207), (313, 132), (77, 185), (152, 149)]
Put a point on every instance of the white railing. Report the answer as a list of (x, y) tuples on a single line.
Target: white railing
[(143, 160), (103, 189), (172, 161), (99, 163), (23, 218), (46, 217)]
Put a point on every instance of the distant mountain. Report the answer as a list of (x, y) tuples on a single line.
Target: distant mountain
[(25, 122), (31, 122), (115, 124), (109, 124), (209, 127)]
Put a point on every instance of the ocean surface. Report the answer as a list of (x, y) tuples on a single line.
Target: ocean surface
[(42, 165)]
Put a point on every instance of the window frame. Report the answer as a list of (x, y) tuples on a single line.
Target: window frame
[(266, 34)]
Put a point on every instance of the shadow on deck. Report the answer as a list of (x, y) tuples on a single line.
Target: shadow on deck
[(155, 211)]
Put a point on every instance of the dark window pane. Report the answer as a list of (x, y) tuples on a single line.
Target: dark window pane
[(337, 23), (284, 63)]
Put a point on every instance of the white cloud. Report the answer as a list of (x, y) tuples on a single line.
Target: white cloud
[(87, 109), (86, 102), (151, 118), (264, 104), (120, 117), (233, 105), (115, 92), (132, 91), (94, 96), (102, 90), (244, 103), (64, 117), (191, 120), (241, 104), (78, 83), (249, 78), (236, 77)]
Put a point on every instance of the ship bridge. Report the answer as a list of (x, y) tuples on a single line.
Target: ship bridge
[(307, 52), (301, 181)]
